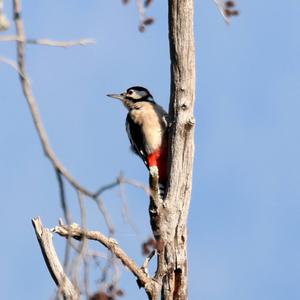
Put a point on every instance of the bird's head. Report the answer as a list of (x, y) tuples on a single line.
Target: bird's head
[(134, 94)]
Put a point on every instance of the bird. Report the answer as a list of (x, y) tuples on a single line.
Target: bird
[(147, 127)]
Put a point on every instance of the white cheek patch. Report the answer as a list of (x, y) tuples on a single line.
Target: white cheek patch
[(139, 94)]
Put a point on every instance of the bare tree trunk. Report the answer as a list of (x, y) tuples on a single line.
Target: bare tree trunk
[(169, 218)]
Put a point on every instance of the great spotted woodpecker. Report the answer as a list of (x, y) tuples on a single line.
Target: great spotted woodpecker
[(146, 126)]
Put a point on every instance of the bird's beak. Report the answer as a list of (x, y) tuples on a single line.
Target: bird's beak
[(116, 96)]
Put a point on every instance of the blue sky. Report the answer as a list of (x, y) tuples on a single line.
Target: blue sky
[(245, 213)]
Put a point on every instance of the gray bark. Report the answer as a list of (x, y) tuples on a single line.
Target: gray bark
[(169, 217)]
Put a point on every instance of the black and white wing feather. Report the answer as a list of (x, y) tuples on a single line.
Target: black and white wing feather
[(136, 138)]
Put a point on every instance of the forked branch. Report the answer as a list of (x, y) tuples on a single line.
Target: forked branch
[(76, 232), (44, 236)]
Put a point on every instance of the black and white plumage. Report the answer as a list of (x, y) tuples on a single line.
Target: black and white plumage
[(136, 139), (146, 126)]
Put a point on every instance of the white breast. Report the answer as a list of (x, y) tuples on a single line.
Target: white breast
[(151, 119)]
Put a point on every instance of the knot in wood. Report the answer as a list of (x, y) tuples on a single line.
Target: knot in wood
[(183, 106), (190, 123)]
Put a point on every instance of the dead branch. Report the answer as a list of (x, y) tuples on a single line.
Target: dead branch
[(27, 90), (221, 7), (28, 93), (75, 231), (141, 10), (44, 236), (147, 260), (136, 184), (83, 247), (64, 44), (63, 200), (122, 180), (227, 9), (11, 63), (47, 42)]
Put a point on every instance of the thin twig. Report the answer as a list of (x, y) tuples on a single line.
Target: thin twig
[(83, 247), (67, 215), (27, 90), (221, 8), (11, 63), (119, 180), (63, 200), (116, 274), (136, 184), (64, 44), (47, 42), (141, 10), (106, 268), (146, 262), (126, 213), (107, 187), (105, 214), (86, 273)]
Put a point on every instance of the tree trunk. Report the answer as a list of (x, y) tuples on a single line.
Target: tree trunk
[(169, 217)]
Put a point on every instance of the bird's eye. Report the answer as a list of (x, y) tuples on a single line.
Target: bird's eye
[(130, 92)]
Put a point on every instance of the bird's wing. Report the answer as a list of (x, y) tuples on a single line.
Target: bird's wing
[(136, 138)]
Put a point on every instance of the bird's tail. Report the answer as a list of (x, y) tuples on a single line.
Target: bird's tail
[(162, 189)]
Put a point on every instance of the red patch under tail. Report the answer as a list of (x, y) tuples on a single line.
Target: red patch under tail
[(159, 158)]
